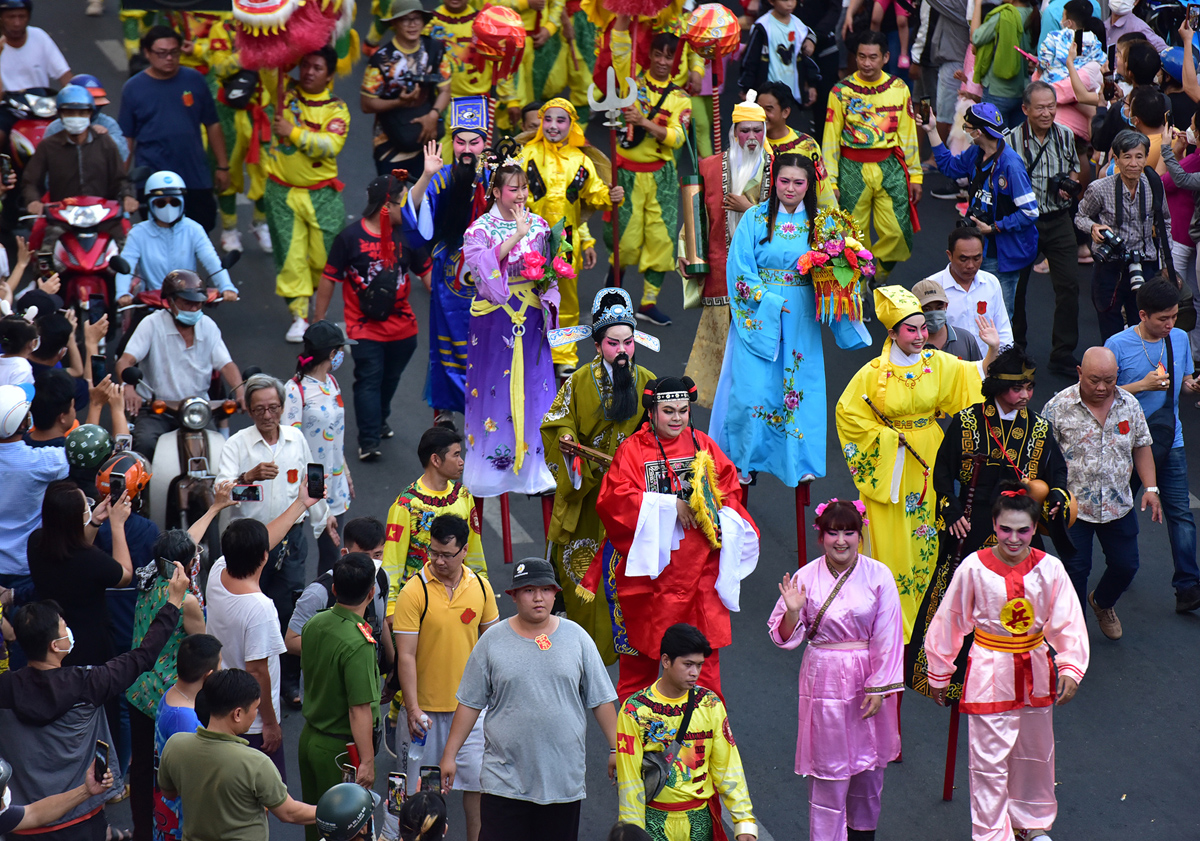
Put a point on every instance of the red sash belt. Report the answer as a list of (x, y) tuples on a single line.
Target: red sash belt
[(867, 156), (634, 166), (685, 806)]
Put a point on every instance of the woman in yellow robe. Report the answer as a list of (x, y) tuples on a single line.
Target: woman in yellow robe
[(911, 385)]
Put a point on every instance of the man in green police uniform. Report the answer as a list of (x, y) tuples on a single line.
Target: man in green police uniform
[(341, 684)]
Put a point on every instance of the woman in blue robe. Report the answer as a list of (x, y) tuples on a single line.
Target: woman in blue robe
[(769, 413)]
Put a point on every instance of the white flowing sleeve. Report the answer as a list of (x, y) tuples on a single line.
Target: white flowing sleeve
[(739, 556), (657, 535)]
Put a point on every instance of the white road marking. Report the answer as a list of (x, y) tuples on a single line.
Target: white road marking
[(491, 516), (114, 51)]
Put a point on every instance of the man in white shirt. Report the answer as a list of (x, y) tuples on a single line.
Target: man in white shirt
[(245, 620), (29, 58), (970, 291), (176, 349), (276, 457)]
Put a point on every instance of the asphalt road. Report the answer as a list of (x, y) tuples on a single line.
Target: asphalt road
[(1126, 745)]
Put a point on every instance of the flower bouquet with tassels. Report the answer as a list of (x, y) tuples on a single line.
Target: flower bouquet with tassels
[(838, 262)]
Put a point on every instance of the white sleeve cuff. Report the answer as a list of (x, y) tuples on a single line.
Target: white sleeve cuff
[(658, 533), (739, 556)]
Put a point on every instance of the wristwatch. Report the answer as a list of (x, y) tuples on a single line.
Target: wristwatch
[(1152, 489)]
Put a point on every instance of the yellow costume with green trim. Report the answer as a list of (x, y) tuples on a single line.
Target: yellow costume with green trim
[(911, 391), (303, 195), (559, 165), (649, 216), (706, 763), (870, 150)]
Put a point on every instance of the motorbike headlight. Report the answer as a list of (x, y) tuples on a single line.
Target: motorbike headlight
[(44, 107), (82, 217), (195, 413)]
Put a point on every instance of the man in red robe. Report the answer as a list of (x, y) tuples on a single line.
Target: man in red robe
[(668, 560)]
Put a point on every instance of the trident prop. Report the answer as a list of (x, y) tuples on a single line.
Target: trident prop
[(612, 105)]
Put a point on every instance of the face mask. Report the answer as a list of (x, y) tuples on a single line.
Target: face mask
[(188, 319), (87, 515), (1121, 7), (935, 320), (70, 638), (76, 125), (1191, 136), (168, 215), (336, 360)]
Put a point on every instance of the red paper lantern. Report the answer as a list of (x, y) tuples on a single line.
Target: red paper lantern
[(498, 36), (713, 31)]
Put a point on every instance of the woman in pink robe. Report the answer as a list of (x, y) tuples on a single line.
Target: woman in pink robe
[(846, 606)]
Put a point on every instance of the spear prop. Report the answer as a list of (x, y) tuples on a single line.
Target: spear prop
[(612, 105), (886, 421)]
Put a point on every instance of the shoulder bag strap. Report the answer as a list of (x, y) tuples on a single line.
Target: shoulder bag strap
[(1171, 378), (1160, 226), (686, 721)]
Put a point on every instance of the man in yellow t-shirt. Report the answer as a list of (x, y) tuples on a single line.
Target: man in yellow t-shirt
[(439, 616), (870, 149), (303, 195), (649, 217), (703, 762), (439, 490)]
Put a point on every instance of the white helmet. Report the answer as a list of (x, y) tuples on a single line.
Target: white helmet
[(165, 191), (14, 408)]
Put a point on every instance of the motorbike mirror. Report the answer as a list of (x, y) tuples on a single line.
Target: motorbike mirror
[(120, 265), (230, 259), (131, 376), (139, 174), (250, 372)]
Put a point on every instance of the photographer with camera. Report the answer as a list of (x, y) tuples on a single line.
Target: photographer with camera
[(1001, 199), (1127, 217), (1048, 151)]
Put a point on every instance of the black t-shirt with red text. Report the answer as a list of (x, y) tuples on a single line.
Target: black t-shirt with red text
[(354, 258)]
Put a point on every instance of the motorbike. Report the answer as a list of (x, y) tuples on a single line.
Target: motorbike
[(84, 255), (184, 461), (35, 109)]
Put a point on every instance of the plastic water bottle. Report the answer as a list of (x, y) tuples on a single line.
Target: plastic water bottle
[(425, 722)]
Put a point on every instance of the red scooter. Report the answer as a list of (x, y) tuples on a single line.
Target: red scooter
[(84, 254), (35, 109)]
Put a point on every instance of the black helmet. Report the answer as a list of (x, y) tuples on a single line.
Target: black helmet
[(344, 811), (184, 284), (10, 5)]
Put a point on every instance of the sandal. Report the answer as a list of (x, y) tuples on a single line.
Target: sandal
[(115, 834)]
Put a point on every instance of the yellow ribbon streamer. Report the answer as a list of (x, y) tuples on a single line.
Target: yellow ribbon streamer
[(524, 292)]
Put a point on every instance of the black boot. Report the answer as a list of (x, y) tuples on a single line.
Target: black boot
[(860, 835)]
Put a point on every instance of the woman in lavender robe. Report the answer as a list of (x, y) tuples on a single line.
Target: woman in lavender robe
[(846, 606), (510, 373)]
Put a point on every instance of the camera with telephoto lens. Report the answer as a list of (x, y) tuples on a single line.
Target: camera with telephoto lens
[(1112, 250), (408, 81), (1064, 182), (984, 216)]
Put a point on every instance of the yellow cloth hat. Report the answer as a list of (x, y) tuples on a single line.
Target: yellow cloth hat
[(749, 111), (893, 304), (574, 135)]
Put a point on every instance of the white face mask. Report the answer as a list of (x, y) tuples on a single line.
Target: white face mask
[(1191, 136), (75, 125), (167, 215), (87, 515), (1121, 7), (70, 638)]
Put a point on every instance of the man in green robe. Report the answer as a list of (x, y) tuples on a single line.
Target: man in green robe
[(598, 408)]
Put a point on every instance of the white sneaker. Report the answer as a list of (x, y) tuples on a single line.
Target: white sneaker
[(95, 8), (295, 333), (231, 241), (263, 233)]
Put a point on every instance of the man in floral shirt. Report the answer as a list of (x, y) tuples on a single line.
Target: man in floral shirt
[(1103, 435)]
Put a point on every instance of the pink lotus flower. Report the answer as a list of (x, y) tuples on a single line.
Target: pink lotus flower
[(532, 263), (563, 268), (534, 274)]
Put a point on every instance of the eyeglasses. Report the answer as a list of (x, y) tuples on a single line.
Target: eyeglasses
[(263, 411), (444, 556), (175, 53), (164, 201)]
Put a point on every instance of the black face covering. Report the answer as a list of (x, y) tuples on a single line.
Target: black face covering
[(624, 401)]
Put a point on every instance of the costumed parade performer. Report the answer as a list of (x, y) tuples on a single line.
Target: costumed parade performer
[(870, 149), (566, 176), (886, 420), (656, 125), (846, 607), (770, 408), (440, 207), (598, 407), (510, 375), (734, 182), (671, 507), (996, 441), (1018, 602)]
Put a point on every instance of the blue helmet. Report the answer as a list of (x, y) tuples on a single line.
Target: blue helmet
[(75, 96), (87, 80)]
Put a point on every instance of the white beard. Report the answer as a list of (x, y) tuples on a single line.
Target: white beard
[(744, 166)]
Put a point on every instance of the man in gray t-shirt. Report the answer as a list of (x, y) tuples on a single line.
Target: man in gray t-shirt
[(537, 675)]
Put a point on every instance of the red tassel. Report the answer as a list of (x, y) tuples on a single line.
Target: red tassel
[(387, 245)]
